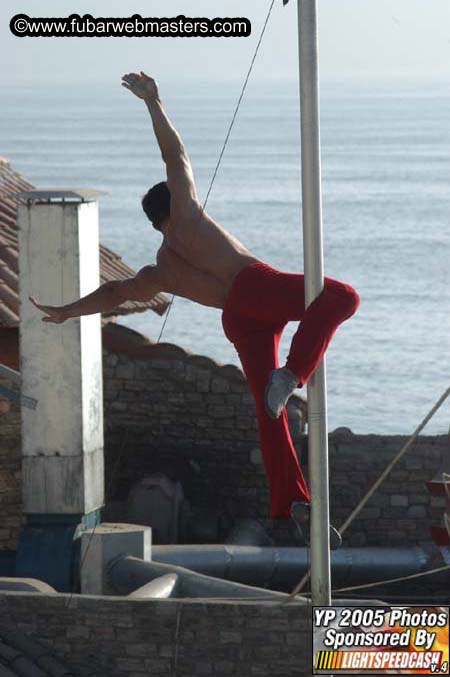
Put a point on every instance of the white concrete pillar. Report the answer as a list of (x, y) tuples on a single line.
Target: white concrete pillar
[(61, 364)]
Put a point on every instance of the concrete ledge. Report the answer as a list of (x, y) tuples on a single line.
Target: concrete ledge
[(106, 542)]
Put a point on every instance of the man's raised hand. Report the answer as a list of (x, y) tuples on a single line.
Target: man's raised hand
[(141, 85), (55, 314)]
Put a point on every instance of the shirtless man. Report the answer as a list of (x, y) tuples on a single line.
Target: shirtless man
[(201, 261)]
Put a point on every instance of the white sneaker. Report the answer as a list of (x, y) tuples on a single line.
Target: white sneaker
[(280, 386)]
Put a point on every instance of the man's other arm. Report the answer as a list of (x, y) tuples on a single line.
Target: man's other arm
[(142, 287)]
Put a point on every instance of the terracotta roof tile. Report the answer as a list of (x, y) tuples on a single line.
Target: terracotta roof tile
[(111, 265)]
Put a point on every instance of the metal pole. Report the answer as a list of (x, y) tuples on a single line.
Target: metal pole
[(313, 267)]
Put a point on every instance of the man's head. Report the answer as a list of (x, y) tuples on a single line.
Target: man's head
[(156, 204)]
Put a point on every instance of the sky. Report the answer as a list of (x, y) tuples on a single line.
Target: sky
[(362, 40)]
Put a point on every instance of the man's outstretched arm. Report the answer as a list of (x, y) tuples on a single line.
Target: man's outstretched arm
[(180, 178), (108, 296)]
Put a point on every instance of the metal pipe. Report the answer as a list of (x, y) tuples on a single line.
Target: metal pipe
[(126, 574), (278, 568), (313, 267)]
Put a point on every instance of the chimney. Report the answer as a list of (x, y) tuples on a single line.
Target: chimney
[(61, 367)]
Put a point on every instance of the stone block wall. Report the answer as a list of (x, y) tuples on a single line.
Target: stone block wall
[(178, 411), (180, 397), (117, 637), (401, 511), (10, 477)]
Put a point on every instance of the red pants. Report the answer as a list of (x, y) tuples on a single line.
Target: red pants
[(260, 303)]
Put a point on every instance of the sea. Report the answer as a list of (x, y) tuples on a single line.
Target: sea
[(386, 213)]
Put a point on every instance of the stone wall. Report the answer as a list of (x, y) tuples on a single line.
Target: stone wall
[(172, 412), (401, 510), (117, 637), (179, 396), (10, 477), (169, 411)]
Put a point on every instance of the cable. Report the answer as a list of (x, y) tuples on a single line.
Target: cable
[(394, 580)]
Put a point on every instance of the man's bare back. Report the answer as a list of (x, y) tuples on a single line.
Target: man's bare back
[(178, 277), (199, 260), (207, 246)]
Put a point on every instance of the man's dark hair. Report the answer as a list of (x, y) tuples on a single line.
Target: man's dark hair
[(156, 204)]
